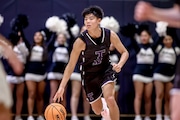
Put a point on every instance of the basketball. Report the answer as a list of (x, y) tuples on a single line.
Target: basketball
[(55, 111)]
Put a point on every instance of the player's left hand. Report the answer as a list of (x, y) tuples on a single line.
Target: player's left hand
[(116, 67)]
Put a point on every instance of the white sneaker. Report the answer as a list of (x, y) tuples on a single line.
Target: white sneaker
[(74, 118), (166, 117), (30, 118), (40, 117), (87, 117), (138, 118), (158, 118), (147, 118), (18, 118)]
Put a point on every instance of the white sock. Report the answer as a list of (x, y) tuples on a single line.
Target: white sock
[(104, 104)]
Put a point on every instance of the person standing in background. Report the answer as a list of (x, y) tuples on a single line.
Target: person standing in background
[(35, 76), (145, 11)]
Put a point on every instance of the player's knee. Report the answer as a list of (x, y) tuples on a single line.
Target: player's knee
[(97, 110), (110, 101)]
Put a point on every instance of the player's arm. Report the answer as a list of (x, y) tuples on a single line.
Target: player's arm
[(78, 46), (145, 11), (121, 49), (9, 54)]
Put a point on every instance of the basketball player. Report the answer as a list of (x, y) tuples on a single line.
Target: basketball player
[(145, 11), (5, 93), (98, 75)]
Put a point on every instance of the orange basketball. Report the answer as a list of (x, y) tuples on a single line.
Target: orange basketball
[(55, 111)]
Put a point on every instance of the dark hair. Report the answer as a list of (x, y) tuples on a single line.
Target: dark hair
[(147, 31), (95, 10)]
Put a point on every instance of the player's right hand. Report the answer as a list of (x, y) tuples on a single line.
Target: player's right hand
[(59, 95)]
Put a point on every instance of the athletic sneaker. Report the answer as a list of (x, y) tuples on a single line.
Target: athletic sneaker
[(40, 117), (147, 118), (18, 118), (87, 117), (138, 118), (74, 118), (30, 118)]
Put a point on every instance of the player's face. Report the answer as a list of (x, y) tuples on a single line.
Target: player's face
[(167, 41), (144, 37), (61, 39), (38, 38), (91, 22)]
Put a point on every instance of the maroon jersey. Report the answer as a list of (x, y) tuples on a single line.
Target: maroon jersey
[(95, 57)]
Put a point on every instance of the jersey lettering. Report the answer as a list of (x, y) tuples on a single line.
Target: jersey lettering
[(99, 57)]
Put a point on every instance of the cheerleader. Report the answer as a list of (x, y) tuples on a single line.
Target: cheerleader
[(59, 60), (35, 76), (18, 80), (164, 72), (5, 94)]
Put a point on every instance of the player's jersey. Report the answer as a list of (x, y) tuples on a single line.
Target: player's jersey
[(95, 57)]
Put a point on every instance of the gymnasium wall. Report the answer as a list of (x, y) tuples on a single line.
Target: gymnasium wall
[(39, 10)]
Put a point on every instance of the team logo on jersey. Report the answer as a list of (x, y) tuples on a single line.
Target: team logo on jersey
[(99, 58)]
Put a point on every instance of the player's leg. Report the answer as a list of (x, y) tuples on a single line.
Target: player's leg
[(147, 97), (76, 89), (39, 99), (86, 106), (159, 87), (19, 99), (31, 87), (97, 106), (54, 84), (168, 87), (139, 87), (108, 93)]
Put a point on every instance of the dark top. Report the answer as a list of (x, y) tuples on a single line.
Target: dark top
[(95, 57)]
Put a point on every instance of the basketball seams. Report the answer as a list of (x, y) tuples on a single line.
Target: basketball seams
[(46, 111), (54, 110), (58, 111)]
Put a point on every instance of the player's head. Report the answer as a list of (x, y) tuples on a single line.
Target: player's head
[(92, 16)]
